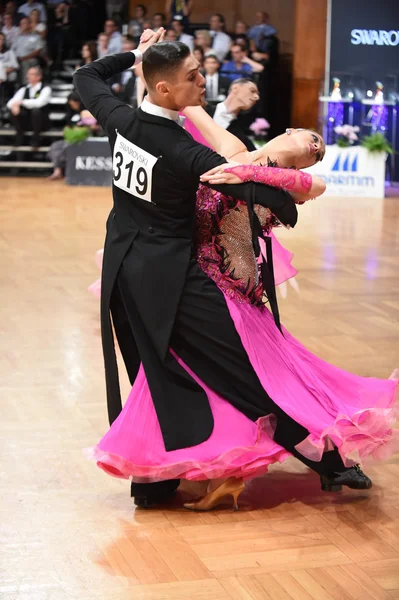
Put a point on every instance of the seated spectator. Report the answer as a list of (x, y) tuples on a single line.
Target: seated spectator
[(102, 45), (57, 152), (217, 85), (158, 20), (220, 40), (8, 70), (29, 108), (136, 25), (9, 30), (243, 95), (181, 9), (171, 35), (185, 38), (261, 36), (240, 65), (240, 30), (27, 47), (11, 8), (30, 5), (115, 38), (123, 85), (199, 55), (89, 53), (203, 40), (36, 25)]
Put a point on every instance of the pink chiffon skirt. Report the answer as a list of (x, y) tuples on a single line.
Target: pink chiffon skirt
[(356, 413)]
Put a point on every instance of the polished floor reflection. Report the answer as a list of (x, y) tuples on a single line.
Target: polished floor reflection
[(70, 532)]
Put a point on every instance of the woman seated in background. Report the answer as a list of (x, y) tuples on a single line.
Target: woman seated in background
[(89, 53), (8, 71)]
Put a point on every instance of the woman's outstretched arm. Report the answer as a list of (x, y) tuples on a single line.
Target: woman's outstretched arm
[(222, 141)]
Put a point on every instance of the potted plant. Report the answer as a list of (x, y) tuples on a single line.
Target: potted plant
[(346, 135), (260, 129), (376, 142)]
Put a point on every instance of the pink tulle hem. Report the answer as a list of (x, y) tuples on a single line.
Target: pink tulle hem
[(368, 433), (243, 462)]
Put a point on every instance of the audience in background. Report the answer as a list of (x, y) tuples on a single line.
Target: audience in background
[(57, 38), (199, 55), (8, 70), (217, 85), (123, 85), (171, 35), (89, 53), (115, 38), (136, 25), (220, 40), (181, 9), (185, 38), (243, 95), (261, 36), (240, 65), (29, 108), (11, 8), (36, 25), (102, 45), (27, 8), (9, 29), (158, 20), (203, 40), (27, 47)]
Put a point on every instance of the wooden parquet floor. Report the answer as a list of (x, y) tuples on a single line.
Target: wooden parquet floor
[(70, 532)]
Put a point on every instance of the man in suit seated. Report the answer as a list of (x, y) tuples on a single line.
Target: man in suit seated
[(242, 96), (217, 85), (29, 107), (123, 85)]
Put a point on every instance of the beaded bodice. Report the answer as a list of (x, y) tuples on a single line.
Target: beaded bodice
[(224, 244)]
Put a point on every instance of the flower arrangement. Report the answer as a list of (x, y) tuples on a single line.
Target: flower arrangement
[(376, 142), (347, 134), (260, 128)]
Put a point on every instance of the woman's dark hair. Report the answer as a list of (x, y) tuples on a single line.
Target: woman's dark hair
[(163, 60), (92, 46)]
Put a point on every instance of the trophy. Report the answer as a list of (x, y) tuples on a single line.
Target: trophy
[(336, 92)]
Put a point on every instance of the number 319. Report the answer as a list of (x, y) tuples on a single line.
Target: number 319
[(141, 174)]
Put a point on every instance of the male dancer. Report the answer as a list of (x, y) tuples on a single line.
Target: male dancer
[(157, 295)]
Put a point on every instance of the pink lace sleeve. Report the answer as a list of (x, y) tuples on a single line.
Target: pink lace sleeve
[(288, 179)]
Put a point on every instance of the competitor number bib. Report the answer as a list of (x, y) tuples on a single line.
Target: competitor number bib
[(133, 168)]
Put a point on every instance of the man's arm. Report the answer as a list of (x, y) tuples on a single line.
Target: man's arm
[(194, 159), (18, 97), (42, 100), (90, 82)]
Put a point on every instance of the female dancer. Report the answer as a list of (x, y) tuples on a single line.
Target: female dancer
[(352, 413)]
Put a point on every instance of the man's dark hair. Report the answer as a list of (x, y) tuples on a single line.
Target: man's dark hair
[(74, 97), (163, 59), (241, 81), (143, 8), (159, 14)]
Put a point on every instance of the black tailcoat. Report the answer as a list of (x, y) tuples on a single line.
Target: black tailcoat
[(153, 243)]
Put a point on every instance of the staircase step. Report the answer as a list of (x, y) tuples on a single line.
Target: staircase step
[(24, 149), (51, 133), (25, 164)]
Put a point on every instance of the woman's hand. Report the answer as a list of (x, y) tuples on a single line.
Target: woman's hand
[(149, 38), (219, 176)]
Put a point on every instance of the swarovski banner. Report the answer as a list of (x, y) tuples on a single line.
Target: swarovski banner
[(365, 43), (89, 163), (352, 172)]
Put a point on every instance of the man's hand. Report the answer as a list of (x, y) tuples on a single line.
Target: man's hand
[(149, 38), (16, 108), (218, 175)]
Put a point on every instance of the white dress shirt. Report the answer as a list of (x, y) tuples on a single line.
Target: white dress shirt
[(10, 34), (222, 116), (27, 8), (159, 111), (39, 102), (187, 39), (212, 86), (221, 43), (115, 43)]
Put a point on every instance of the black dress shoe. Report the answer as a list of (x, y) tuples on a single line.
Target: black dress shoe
[(353, 478), (152, 501)]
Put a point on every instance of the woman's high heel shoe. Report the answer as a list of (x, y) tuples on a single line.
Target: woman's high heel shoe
[(231, 487)]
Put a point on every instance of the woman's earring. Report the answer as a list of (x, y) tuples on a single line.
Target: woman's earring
[(288, 131)]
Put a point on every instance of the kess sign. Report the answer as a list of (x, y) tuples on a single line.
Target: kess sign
[(371, 37)]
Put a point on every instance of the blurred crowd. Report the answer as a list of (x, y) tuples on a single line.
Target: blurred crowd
[(37, 39)]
